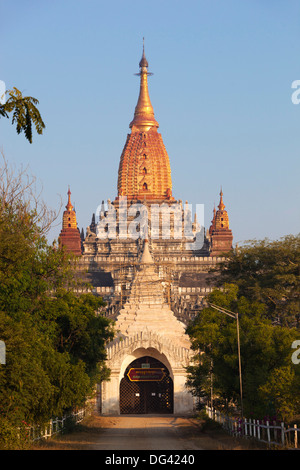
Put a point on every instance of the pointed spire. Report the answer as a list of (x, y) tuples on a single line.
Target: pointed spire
[(213, 222), (221, 215), (221, 205), (221, 235), (69, 237), (144, 113), (143, 61), (69, 206), (146, 257)]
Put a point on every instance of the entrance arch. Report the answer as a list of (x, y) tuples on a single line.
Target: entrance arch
[(146, 387)]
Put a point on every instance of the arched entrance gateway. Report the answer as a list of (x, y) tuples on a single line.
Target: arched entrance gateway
[(148, 375), (148, 358), (146, 388)]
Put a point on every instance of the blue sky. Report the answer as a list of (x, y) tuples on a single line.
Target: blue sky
[(221, 92)]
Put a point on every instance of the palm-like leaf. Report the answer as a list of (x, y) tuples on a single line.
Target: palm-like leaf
[(25, 113)]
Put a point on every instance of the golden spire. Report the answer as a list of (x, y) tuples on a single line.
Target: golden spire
[(221, 205), (144, 169), (221, 216), (69, 237), (69, 206), (144, 115), (69, 215)]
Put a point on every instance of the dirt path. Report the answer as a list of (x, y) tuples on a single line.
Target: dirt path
[(125, 433)]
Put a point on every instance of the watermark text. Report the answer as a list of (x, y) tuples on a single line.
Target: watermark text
[(2, 353), (2, 92), (296, 94), (296, 354), (156, 221)]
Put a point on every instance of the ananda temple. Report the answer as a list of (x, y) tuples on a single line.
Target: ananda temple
[(149, 258)]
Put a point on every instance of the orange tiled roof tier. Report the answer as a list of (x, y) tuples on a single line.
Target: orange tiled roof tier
[(144, 171)]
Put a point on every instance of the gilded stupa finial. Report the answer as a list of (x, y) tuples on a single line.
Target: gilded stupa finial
[(143, 61), (144, 113), (69, 206), (221, 205)]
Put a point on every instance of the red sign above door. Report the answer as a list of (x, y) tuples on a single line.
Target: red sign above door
[(145, 375)]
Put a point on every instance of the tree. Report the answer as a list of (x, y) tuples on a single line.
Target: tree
[(283, 391), (55, 336), (25, 113), (264, 348), (268, 272)]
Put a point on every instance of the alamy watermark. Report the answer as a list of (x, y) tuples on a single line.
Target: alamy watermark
[(2, 92), (296, 354), (296, 94), (2, 353), (156, 221)]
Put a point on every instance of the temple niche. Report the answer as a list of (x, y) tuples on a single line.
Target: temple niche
[(154, 276)]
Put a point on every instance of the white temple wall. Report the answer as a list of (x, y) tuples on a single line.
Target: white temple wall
[(122, 353)]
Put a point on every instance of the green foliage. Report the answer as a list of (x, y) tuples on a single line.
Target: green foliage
[(265, 348), (12, 437), (25, 113), (55, 339), (260, 281), (268, 272), (282, 391)]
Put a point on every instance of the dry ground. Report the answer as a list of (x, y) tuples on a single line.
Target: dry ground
[(146, 432)]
